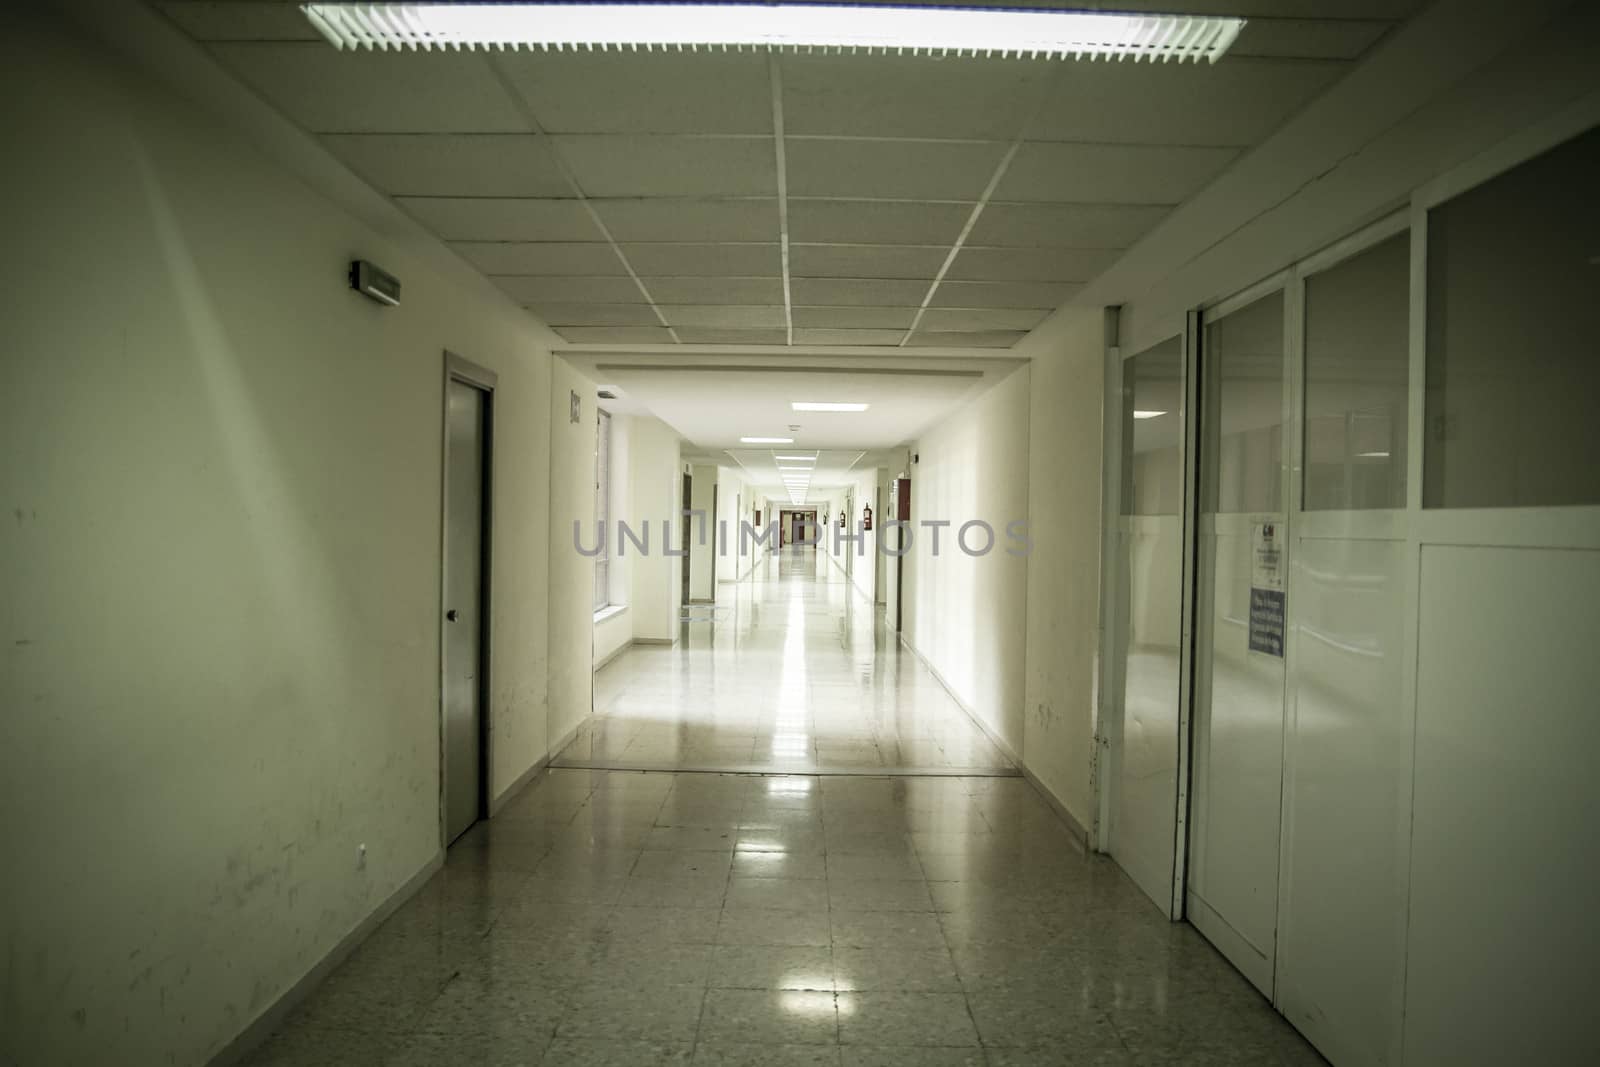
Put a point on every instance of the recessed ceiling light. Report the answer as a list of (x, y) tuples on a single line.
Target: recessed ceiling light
[(917, 30), (815, 405), (1372, 455), (801, 459), (1148, 414), (783, 468), (767, 440)]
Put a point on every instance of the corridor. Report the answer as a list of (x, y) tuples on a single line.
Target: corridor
[(791, 671), (945, 915)]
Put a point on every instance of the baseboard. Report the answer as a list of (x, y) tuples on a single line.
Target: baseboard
[(275, 1013), (655, 640), (1073, 825), (615, 652), (499, 802)]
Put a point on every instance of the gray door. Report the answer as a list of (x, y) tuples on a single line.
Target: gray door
[(463, 595)]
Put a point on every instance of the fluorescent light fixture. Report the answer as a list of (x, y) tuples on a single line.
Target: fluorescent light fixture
[(815, 405), (933, 31), (767, 440), (807, 469), (1372, 455), (795, 459), (1148, 414)]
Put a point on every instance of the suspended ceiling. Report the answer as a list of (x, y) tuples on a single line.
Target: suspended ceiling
[(644, 199)]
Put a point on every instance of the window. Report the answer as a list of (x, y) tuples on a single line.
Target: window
[(1357, 379), (1512, 373), (1243, 356), (1152, 427), (602, 510)]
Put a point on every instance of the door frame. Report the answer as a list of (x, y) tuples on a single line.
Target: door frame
[(458, 369)]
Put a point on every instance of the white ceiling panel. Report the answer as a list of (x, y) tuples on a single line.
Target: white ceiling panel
[(729, 260), (711, 335), (1308, 38), (939, 320), (716, 290), (847, 337), (896, 170), (856, 292), (642, 335), (596, 314), (644, 92), (570, 290), (910, 96), (1116, 174), (1031, 264), (988, 339), (845, 318), (540, 257), (734, 316), (691, 221), (241, 20), (889, 222), (452, 164), (610, 165), (500, 219), (328, 91), (960, 294), (867, 261), (1065, 225), (1235, 102)]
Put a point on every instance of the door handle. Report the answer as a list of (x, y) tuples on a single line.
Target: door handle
[(451, 615)]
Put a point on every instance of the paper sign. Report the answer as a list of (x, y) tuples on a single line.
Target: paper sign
[(1266, 590)]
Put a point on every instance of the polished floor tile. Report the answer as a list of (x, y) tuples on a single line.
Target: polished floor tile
[(613, 916)]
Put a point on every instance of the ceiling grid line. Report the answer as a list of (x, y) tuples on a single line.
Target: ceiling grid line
[(995, 179), (775, 80), (526, 111)]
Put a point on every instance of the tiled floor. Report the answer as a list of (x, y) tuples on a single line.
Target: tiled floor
[(791, 671), (639, 918)]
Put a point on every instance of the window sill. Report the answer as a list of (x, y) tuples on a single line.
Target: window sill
[(611, 611)]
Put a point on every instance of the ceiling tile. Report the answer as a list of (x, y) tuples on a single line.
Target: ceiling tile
[(694, 221), (910, 96), (452, 164), (636, 165), (328, 91), (596, 314), (738, 260), (496, 219), (644, 92), (737, 316), (570, 290), (1115, 174), (715, 290), (836, 318), (700, 335), (651, 335), (990, 339), (848, 337), (857, 292), (1234, 102), (1065, 225), (241, 20), (941, 320), (540, 257), (897, 170), (1031, 264), (952, 294), (876, 222), (1307, 38), (867, 261)]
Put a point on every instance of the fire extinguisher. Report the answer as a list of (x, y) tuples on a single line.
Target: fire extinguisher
[(866, 517), (841, 518)]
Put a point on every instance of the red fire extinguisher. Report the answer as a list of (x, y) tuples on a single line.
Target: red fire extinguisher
[(866, 517)]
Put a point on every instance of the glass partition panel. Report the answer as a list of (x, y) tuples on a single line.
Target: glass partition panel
[(1513, 363), (1357, 380), (1244, 377)]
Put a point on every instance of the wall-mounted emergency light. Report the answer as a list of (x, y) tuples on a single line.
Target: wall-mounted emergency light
[(369, 281)]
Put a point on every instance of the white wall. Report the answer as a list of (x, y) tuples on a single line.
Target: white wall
[(967, 615), (1064, 462), (571, 574), (702, 551), (221, 561), (655, 486), (613, 629)]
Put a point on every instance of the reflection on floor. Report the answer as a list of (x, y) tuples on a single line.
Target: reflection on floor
[(791, 672), (610, 917)]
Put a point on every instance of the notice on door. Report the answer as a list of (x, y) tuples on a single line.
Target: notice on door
[(1266, 589)]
